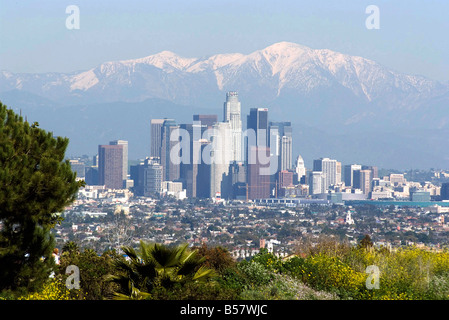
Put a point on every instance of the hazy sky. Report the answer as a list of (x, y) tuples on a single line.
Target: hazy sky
[(413, 35)]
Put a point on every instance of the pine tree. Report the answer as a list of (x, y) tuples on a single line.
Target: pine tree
[(35, 184)]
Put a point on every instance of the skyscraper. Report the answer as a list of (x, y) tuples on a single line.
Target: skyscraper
[(147, 178), (329, 168), (349, 174), (257, 120), (259, 183), (300, 168), (171, 167), (200, 171), (445, 191), (232, 114), (280, 143), (316, 182), (124, 143), (365, 181), (156, 137), (206, 119), (110, 166), (220, 158), (284, 180)]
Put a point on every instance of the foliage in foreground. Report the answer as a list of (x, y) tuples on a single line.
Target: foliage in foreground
[(325, 271)]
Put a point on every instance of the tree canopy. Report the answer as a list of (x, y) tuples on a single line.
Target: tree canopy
[(35, 184)]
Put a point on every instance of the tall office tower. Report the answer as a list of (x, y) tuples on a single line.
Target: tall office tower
[(365, 181), (338, 172), (300, 169), (95, 160), (170, 138), (206, 119), (232, 114), (286, 153), (257, 120), (237, 173), (152, 179), (110, 166), (124, 143), (349, 175), (329, 168), (280, 143), (147, 178), (156, 137), (91, 176), (220, 158), (186, 153), (444, 191), (284, 180), (374, 171), (203, 179), (259, 184), (79, 167), (316, 182), (192, 162)]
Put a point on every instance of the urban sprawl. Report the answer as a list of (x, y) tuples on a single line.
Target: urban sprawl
[(210, 182)]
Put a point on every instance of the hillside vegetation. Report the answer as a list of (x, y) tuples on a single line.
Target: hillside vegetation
[(320, 271)]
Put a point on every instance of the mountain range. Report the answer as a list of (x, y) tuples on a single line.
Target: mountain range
[(341, 106)]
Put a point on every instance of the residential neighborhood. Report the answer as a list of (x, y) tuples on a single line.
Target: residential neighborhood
[(118, 218)]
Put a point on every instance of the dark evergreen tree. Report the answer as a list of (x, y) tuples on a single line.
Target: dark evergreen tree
[(35, 184)]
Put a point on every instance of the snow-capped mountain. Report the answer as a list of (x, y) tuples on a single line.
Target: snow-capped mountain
[(328, 91), (283, 68)]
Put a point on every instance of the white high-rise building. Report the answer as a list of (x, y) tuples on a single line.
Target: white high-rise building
[(329, 169), (280, 142), (286, 153), (232, 114), (300, 167), (316, 182), (220, 156)]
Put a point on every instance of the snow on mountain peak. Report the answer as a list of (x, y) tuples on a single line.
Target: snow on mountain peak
[(165, 59)]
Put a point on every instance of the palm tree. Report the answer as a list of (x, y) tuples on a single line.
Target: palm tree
[(157, 266)]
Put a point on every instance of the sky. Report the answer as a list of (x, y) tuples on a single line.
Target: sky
[(412, 36)]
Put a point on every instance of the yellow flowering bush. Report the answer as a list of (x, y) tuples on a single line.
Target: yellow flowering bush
[(330, 273), (53, 290)]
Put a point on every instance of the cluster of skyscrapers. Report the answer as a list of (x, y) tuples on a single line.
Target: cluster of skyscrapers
[(216, 159)]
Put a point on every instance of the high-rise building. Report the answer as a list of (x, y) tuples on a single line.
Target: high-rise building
[(329, 168), (110, 166), (316, 182), (79, 167), (444, 191), (284, 180), (170, 138), (220, 158), (280, 143), (200, 171), (124, 143), (286, 153), (258, 179), (206, 119), (232, 114), (91, 175), (237, 176), (156, 137), (300, 169), (374, 171), (257, 120), (365, 181), (349, 175), (147, 177), (338, 172)]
